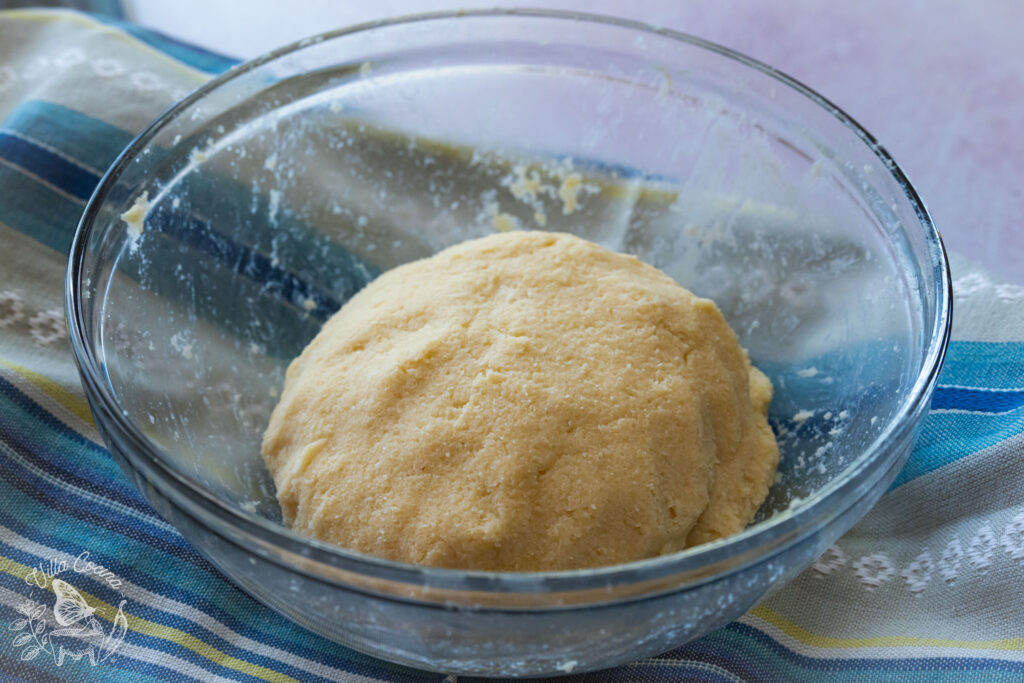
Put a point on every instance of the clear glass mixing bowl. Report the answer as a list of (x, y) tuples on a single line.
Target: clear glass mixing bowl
[(279, 189)]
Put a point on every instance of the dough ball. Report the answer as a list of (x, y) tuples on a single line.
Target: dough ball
[(527, 401)]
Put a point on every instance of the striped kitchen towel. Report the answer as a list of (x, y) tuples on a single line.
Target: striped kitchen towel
[(929, 586)]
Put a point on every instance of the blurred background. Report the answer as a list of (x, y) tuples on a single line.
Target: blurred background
[(939, 82)]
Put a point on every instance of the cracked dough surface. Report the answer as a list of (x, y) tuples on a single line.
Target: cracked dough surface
[(527, 401)]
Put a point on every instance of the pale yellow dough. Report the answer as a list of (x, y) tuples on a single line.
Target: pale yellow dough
[(526, 401)]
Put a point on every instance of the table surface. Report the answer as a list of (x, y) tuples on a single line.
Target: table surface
[(939, 82)]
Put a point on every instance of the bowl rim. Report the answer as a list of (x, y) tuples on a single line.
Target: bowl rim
[(755, 543)]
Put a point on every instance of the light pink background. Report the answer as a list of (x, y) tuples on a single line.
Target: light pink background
[(939, 82)]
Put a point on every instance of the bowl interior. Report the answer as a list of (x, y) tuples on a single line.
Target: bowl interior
[(278, 194)]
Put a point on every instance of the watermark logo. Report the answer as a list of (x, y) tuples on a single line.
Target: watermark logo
[(65, 626)]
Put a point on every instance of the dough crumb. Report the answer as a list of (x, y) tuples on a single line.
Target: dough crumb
[(135, 218), (504, 222), (569, 193), (540, 218), (807, 372), (803, 416), (524, 187)]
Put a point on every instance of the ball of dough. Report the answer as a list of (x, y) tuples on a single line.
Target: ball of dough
[(527, 401)]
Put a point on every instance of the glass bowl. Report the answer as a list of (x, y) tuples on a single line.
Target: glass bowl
[(268, 197)]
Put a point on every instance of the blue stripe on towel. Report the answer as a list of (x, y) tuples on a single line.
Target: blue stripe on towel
[(978, 400), (47, 165)]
